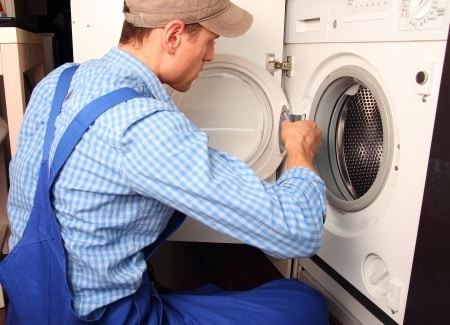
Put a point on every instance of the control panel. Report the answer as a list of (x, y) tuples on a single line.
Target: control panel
[(314, 21), (357, 10), (423, 14)]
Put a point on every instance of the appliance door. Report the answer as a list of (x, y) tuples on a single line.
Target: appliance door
[(357, 157), (240, 106)]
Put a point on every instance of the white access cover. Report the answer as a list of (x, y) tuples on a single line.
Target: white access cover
[(238, 105)]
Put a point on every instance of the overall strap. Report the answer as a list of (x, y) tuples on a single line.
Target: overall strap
[(174, 222), (60, 94), (78, 127), (82, 121)]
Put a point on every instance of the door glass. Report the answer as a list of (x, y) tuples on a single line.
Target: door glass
[(232, 109)]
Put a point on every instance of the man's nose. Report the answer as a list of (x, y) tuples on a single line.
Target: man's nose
[(209, 55)]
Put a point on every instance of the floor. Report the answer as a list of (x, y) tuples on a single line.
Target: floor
[(184, 266)]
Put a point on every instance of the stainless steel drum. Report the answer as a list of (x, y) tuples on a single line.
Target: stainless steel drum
[(357, 149), (359, 142)]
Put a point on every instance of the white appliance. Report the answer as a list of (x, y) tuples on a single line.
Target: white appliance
[(368, 72)]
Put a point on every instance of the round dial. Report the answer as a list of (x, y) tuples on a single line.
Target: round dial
[(418, 9)]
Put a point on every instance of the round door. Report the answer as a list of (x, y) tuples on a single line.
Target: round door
[(359, 152), (239, 106)]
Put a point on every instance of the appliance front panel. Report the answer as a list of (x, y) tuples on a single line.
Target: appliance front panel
[(371, 233), (375, 101)]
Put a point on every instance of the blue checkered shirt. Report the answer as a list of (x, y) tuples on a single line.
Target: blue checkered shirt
[(136, 163)]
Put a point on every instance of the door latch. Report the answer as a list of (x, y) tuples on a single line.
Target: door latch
[(273, 65)]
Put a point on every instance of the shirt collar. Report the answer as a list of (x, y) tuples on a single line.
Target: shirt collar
[(149, 84)]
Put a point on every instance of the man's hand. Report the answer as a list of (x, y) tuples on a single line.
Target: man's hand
[(302, 140)]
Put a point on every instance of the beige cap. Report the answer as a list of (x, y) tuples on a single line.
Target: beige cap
[(219, 16)]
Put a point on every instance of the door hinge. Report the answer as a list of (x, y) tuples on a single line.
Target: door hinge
[(273, 64)]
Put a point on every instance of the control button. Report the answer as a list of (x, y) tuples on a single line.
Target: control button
[(421, 77), (425, 77), (376, 275)]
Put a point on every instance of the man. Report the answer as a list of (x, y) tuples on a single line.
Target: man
[(142, 159)]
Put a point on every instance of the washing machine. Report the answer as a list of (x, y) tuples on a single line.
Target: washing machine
[(368, 72)]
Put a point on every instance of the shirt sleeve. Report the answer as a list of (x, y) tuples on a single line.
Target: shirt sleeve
[(167, 158)]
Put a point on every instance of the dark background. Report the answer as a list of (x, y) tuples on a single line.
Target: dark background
[(45, 16), (58, 22)]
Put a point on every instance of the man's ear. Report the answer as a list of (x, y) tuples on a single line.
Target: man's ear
[(172, 35)]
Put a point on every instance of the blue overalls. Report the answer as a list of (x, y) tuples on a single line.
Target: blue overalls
[(33, 274)]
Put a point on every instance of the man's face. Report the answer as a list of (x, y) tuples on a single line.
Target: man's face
[(195, 49)]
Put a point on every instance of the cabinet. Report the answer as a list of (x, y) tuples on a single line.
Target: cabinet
[(3, 176), (21, 67), (21, 53)]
